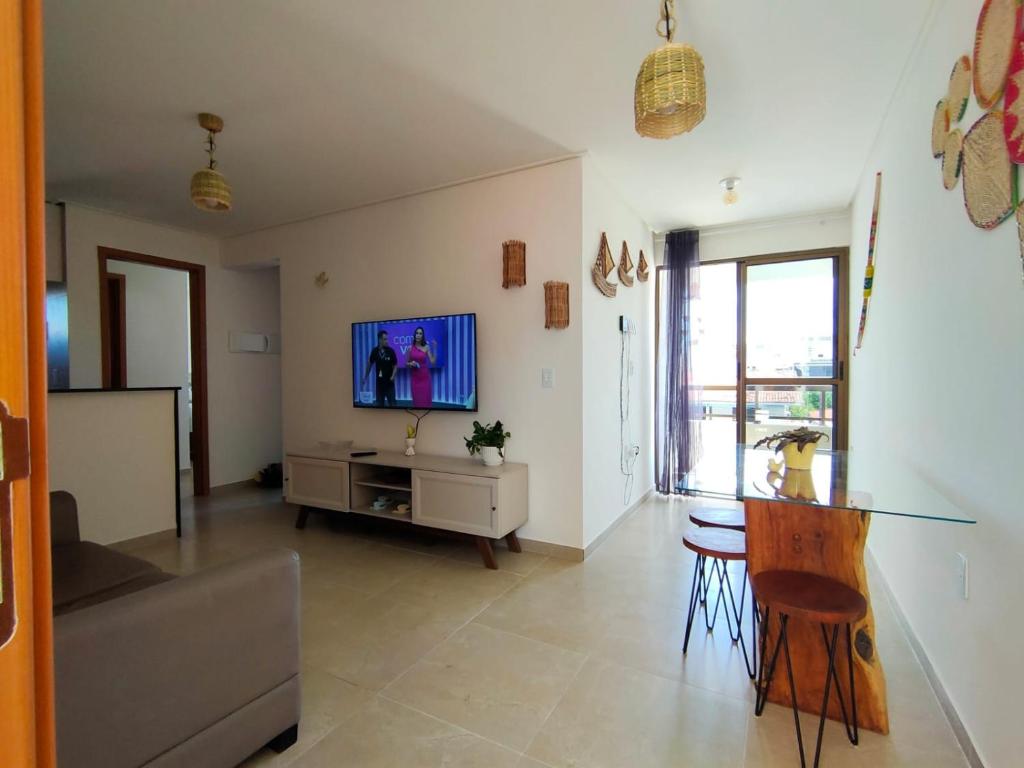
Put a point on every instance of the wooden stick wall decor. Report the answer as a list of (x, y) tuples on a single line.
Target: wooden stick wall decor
[(556, 304), (869, 270), (641, 269), (625, 265), (513, 263)]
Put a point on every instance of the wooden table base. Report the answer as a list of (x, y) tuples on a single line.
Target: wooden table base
[(828, 542)]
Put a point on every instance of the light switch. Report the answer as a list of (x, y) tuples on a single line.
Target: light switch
[(547, 378)]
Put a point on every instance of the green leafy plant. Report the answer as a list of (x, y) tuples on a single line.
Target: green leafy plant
[(493, 435), (800, 437)]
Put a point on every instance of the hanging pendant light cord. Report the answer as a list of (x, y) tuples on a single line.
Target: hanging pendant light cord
[(210, 147), (668, 18)]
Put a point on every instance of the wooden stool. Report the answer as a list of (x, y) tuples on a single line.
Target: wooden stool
[(721, 545), (719, 517), (817, 599)]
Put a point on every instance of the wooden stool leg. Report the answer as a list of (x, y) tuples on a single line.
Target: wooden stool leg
[(513, 542), (300, 521), (486, 553)]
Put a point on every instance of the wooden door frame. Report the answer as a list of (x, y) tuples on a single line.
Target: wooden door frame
[(122, 326), (197, 331)]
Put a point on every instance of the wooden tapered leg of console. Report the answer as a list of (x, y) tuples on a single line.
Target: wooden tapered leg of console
[(513, 542), (300, 521), (827, 542), (486, 552)]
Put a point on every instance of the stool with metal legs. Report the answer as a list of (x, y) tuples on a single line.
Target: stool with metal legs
[(721, 546), (820, 600)]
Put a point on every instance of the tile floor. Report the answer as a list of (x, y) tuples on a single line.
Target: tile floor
[(415, 655)]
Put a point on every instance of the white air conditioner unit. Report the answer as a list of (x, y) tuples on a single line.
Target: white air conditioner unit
[(247, 341)]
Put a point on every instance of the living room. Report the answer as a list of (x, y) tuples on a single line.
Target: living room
[(525, 371)]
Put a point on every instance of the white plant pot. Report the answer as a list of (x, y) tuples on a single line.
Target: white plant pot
[(491, 456), (410, 446)]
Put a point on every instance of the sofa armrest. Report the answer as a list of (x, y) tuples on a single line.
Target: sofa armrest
[(140, 674), (63, 518)]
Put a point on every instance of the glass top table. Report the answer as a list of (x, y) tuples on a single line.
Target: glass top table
[(836, 480)]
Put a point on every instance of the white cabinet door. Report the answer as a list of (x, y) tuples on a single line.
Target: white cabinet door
[(316, 483), (455, 502)]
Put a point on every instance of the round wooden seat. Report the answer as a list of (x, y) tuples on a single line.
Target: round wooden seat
[(719, 517), (809, 596), (716, 543)]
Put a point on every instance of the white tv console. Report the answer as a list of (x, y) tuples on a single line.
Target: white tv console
[(452, 494)]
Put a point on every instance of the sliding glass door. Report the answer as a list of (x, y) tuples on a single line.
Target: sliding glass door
[(770, 346)]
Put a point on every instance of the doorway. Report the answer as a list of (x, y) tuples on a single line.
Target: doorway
[(114, 344), (770, 344)]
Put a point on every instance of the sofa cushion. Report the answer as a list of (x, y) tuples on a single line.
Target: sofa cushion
[(85, 573)]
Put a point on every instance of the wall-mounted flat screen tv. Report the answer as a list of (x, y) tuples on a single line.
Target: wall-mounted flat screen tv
[(416, 363)]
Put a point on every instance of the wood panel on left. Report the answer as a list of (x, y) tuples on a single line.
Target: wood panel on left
[(26, 653)]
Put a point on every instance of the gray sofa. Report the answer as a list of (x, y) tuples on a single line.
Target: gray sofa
[(154, 670)]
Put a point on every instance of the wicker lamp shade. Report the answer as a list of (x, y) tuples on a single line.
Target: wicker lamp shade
[(210, 191), (556, 304), (671, 94)]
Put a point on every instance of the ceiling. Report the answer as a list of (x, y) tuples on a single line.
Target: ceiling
[(330, 105)]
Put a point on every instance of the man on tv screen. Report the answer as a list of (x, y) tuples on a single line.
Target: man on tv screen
[(384, 359)]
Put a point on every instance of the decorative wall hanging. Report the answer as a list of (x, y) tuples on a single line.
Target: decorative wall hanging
[(321, 279), (513, 263), (209, 189), (994, 41), (940, 127), (952, 158), (670, 97), (641, 268), (556, 304), (1013, 114), (1020, 235), (603, 267), (959, 89), (625, 266), (869, 269), (990, 177)]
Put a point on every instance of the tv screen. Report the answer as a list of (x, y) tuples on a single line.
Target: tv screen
[(418, 363)]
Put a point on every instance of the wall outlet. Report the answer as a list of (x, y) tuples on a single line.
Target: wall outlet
[(963, 575), (547, 378)]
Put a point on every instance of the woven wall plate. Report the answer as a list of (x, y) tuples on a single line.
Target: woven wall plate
[(994, 41), (952, 158), (990, 177), (940, 127), (959, 89), (1013, 106)]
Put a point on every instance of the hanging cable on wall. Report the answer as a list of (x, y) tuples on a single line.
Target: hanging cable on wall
[(628, 450)]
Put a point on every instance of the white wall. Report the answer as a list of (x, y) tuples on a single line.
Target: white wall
[(435, 253), (244, 389), (945, 322), (156, 336), (114, 451), (603, 481)]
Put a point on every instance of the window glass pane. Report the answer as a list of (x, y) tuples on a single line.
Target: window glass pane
[(713, 314), (776, 408), (789, 319)]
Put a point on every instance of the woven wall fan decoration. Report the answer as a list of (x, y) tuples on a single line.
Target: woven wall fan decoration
[(959, 89), (994, 41), (1013, 106), (603, 267), (513, 263), (556, 304), (641, 268), (952, 158), (990, 177), (625, 267), (940, 127)]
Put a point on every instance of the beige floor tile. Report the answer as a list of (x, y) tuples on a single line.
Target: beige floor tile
[(615, 716), (326, 703), (489, 682), (519, 563), (458, 589), (389, 735)]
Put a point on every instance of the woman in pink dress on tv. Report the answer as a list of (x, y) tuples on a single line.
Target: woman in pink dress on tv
[(418, 360)]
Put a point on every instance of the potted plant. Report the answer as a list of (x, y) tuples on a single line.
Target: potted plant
[(489, 442), (797, 446)]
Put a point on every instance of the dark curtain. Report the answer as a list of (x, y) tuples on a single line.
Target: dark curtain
[(678, 399)]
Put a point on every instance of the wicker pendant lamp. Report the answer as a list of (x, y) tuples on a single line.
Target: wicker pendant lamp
[(670, 96), (209, 188)]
